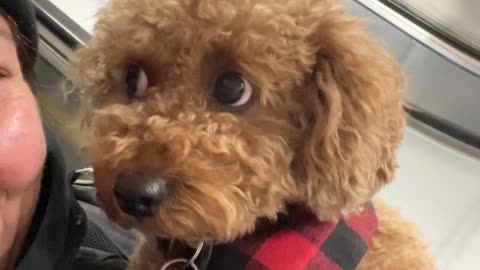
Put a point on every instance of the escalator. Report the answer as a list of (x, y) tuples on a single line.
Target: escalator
[(59, 37), (455, 21)]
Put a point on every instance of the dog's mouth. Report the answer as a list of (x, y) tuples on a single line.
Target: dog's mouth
[(168, 208)]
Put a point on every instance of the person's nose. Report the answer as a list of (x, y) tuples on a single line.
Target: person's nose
[(139, 196)]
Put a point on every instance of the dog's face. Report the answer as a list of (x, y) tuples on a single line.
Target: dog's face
[(208, 115)]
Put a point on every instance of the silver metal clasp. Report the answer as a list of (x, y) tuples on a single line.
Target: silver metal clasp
[(84, 177), (184, 261)]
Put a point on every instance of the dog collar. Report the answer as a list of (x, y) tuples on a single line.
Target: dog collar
[(297, 241)]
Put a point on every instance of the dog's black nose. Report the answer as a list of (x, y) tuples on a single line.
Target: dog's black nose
[(138, 195)]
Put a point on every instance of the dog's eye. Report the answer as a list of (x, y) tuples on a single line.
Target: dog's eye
[(232, 89), (136, 81)]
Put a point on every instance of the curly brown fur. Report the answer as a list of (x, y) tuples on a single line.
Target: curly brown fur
[(321, 130), (396, 245)]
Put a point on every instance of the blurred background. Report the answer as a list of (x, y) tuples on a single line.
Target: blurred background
[(438, 45)]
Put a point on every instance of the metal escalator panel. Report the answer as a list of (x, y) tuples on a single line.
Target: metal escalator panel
[(456, 21), (443, 74), (60, 111)]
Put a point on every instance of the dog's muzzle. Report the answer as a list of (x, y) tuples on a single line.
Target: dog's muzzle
[(139, 196)]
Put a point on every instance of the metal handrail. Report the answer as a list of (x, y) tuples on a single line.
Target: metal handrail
[(451, 52)]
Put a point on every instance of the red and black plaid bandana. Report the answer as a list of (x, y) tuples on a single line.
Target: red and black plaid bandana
[(301, 242)]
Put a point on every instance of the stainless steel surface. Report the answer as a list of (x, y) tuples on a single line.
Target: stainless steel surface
[(442, 80), (456, 19), (59, 111), (82, 12), (61, 22), (437, 186), (439, 138), (53, 50), (439, 87), (422, 35)]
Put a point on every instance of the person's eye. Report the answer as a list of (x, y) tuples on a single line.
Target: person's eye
[(232, 89), (136, 82)]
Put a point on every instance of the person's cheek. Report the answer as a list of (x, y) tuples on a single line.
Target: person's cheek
[(22, 142)]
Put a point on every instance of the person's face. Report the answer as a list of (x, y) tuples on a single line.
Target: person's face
[(22, 143)]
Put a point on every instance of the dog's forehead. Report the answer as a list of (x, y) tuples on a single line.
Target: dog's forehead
[(187, 43), (171, 25)]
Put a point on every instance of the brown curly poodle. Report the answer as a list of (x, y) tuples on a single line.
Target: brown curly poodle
[(208, 115)]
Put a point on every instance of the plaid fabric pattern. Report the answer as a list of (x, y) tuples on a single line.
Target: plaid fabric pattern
[(301, 243)]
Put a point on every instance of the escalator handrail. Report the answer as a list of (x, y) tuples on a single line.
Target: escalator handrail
[(59, 23), (424, 35)]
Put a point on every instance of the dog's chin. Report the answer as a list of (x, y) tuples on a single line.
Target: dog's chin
[(152, 227), (145, 226)]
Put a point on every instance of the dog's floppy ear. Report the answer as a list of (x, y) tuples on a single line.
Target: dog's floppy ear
[(355, 116)]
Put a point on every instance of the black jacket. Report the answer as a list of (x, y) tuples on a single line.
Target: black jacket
[(70, 234)]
